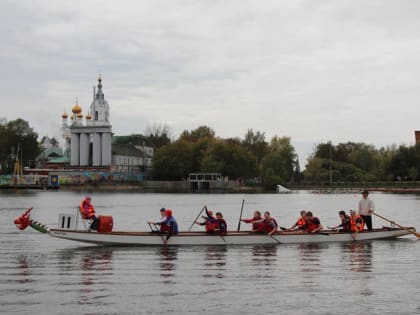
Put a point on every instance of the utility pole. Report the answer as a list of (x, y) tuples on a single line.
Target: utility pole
[(330, 162)]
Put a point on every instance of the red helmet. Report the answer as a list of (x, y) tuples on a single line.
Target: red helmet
[(168, 212)]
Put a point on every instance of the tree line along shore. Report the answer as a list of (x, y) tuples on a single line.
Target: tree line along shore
[(252, 160)]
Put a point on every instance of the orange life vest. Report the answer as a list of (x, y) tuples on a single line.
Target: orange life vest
[(87, 211), (311, 225), (301, 223), (353, 224)]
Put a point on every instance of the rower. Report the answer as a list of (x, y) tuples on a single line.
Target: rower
[(88, 212), (221, 225), (356, 223), (169, 226), (345, 225), (161, 220), (269, 225), (300, 223), (256, 221), (313, 224), (209, 221)]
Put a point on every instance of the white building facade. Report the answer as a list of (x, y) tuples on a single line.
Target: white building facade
[(90, 142)]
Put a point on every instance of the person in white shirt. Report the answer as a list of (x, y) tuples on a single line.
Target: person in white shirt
[(366, 207)]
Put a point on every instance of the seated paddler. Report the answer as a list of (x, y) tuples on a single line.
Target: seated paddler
[(221, 225), (255, 221), (87, 211), (210, 221), (269, 225), (169, 226)]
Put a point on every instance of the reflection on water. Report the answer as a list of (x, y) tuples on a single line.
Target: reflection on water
[(168, 256), (310, 257), (95, 265), (215, 262), (264, 255), (23, 270), (360, 259)]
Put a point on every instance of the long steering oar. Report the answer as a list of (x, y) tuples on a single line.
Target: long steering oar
[(240, 217), (205, 207), (400, 226)]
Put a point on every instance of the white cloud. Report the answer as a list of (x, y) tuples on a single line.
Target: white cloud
[(325, 70)]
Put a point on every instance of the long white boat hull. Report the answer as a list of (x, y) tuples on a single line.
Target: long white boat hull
[(232, 238)]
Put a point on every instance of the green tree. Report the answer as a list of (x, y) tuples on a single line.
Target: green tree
[(280, 161), (173, 161), (13, 135)]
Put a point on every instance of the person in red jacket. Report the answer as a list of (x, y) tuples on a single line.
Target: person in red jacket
[(209, 221), (88, 213), (255, 221), (313, 224), (269, 225)]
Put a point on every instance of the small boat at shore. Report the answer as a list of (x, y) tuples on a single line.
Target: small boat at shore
[(231, 238)]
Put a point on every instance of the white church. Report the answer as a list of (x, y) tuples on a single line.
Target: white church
[(89, 140), (90, 143)]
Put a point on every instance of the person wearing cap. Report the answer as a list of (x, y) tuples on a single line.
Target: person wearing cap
[(169, 226), (366, 207), (162, 215), (209, 221), (88, 212)]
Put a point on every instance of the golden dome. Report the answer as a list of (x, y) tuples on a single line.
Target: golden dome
[(76, 108), (64, 116), (88, 116), (80, 115)]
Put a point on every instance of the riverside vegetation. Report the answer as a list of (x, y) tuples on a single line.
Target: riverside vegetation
[(253, 158)]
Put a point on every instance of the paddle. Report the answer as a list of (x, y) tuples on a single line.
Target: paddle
[(394, 223), (277, 241), (205, 207), (240, 217)]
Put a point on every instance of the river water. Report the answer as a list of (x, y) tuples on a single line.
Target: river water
[(43, 275)]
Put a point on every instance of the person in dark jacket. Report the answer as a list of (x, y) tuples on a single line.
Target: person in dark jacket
[(345, 225), (221, 225)]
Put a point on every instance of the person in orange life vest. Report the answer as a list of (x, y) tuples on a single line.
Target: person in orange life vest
[(345, 222), (356, 223), (269, 224), (209, 221), (256, 222), (300, 223), (313, 224), (88, 212), (221, 225)]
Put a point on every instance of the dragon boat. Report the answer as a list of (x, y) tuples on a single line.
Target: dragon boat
[(105, 236)]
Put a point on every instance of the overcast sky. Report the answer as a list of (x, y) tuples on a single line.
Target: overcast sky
[(312, 70)]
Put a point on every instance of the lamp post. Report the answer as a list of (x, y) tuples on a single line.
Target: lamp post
[(330, 145)]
